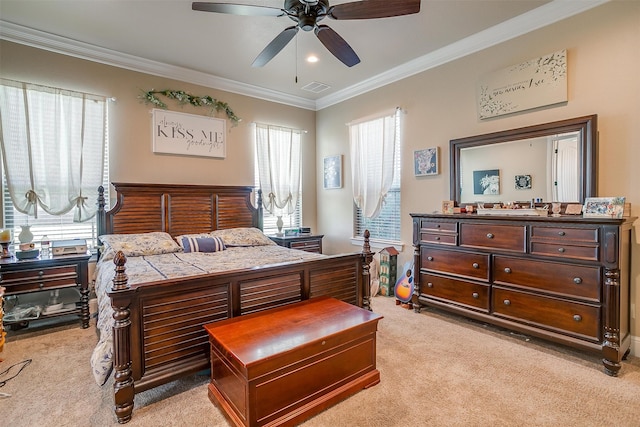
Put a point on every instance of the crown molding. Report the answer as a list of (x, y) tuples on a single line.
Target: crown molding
[(542, 16), (53, 43)]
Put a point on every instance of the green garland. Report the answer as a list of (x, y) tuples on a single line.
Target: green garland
[(186, 98)]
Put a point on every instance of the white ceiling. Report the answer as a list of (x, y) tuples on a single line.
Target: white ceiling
[(167, 38)]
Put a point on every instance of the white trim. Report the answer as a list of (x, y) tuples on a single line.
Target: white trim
[(635, 346), (378, 244), (542, 16)]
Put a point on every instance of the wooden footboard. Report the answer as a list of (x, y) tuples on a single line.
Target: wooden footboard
[(158, 334)]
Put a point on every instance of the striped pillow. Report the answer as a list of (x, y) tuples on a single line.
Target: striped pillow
[(202, 244)]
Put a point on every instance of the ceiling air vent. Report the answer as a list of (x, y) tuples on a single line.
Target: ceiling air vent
[(315, 87)]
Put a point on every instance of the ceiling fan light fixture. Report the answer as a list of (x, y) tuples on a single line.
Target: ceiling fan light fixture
[(308, 13)]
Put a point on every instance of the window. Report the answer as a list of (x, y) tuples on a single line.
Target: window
[(380, 142), (54, 157), (278, 174)]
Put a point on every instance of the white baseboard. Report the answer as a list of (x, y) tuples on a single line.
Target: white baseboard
[(635, 346)]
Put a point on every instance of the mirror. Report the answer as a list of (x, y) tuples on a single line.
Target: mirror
[(551, 162)]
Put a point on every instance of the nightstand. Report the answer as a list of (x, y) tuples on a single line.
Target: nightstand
[(36, 279), (304, 242)]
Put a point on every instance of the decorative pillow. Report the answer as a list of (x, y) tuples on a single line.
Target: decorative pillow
[(181, 238), (153, 243), (202, 244), (243, 237)]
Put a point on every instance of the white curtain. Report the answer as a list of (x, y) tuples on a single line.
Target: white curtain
[(278, 152), (372, 153), (52, 148)]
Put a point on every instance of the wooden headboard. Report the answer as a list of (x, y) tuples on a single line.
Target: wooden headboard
[(177, 209)]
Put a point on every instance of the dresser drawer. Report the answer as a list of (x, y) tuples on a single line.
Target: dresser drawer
[(467, 264), (452, 290), (580, 320), (562, 279), (489, 236), (440, 226), (439, 239), (39, 278), (573, 251), (565, 233)]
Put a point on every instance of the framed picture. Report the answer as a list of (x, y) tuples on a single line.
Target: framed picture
[(486, 181), (523, 182), (425, 162), (603, 207), (447, 206), (332, 172)]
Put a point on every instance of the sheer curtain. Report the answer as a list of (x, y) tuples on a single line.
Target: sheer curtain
[(52, 148), (372, 144), (278, 155)]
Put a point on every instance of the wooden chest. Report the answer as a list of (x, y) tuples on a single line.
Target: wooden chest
[(284, 365)]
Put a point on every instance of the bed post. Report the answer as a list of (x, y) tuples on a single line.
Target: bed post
[(367, 257), (259, 208), (123, 389), (100, 215)]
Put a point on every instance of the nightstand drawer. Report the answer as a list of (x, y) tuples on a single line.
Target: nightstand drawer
[(312, 245), (39, 278)]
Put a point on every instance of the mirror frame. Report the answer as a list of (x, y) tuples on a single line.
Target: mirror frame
[(587, 125)]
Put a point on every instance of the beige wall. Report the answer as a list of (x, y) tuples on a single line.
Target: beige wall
[(603, 48), (131, 156)]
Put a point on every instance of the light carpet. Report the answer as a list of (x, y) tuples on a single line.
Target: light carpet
[(436, 370)]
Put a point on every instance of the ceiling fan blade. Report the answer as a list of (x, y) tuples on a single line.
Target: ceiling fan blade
[(337, 45), (275, 46), (371, 9), (236, 9)]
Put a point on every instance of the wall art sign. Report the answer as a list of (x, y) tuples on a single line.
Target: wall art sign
[(536, 83), (606, 207), (188, 134)]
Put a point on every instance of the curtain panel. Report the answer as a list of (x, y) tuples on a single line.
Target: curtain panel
[(372, 145), (279, 158), (52, 144)]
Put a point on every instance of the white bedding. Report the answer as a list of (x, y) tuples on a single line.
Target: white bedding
[(148, 268)]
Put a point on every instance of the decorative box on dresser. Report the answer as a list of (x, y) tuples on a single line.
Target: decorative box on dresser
[(565, 279)]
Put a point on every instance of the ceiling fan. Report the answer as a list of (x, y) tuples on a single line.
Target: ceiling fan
[(307, 14)]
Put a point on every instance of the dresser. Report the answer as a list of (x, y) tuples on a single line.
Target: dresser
[(304, 242), (41, 276), (565, 279)]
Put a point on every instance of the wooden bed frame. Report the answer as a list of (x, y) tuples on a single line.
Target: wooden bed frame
[(158, 335)]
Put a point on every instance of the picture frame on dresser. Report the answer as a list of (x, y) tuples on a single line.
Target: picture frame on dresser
[(603, 207)]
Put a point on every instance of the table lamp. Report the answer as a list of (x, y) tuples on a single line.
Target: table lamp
[(5, 241)]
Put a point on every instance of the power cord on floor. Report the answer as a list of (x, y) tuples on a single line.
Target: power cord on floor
[(23, 364)]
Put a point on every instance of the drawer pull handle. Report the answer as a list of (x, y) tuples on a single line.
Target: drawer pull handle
[(489, 235), (577, 280), (476, 265), (577, 317), (438, 238), (507, 270), (437, 225), (41, 285), (561, 233), (475, 295), (40, 273), (561, 250), (506, 302), (429, 285), (429, 258)]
